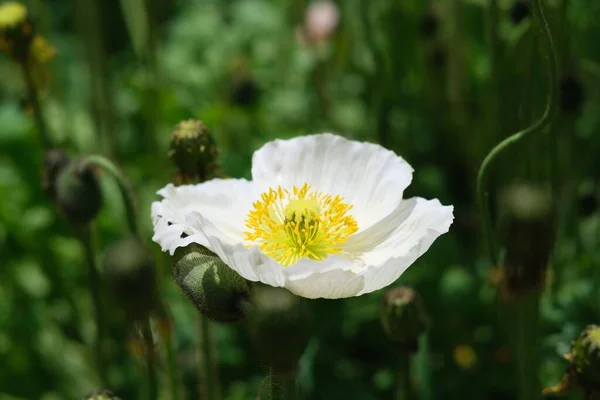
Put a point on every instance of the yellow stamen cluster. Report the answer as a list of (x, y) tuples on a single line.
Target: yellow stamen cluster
[(289, 225)]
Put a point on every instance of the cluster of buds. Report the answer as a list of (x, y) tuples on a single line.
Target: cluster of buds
[(527, 228)]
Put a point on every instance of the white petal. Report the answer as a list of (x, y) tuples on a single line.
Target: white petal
[(367, 175), (224, 202), (415, 226)]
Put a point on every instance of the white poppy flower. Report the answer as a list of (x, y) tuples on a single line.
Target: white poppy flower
[(323, 217)]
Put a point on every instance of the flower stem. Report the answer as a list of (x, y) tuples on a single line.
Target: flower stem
[(171, 352), (109, 167), (152, 378), (524, 329), (403, 373), (208, 379), (483, 175), (32, 95), (283, 385), (85, 235)]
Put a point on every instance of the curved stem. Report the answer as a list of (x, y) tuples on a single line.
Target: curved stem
[(109, 167), (32, 94), (85, 235), (482, 176)]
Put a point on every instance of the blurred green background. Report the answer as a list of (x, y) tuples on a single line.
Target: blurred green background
[(439, 82)]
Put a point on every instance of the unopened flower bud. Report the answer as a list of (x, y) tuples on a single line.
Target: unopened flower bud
[(278, 326), (194, 152), (429, 24), (587, 199), (243, 90), (571, 94), (526, 223), (585, 359), (403, 316), (131, 276), (519, 10), (215, 289), (101, 395), (54, 161), (78, 193), (321, 19), (16, 30)]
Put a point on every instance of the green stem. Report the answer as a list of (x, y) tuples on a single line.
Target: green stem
[(110, 168), (171, 351), (208, 379), (403, 386), (85, 235), (524, 327), (283, 385), (494, 43), (32, 95), (483, 175), (152, 378)]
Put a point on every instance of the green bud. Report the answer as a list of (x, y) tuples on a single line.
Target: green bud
[(527, 230), (54, 161), (403, 316), (131, 276), (78, 193), (194, 152), (16, 30), (215, 289), (278, 326), (585, 359), (101, 395)]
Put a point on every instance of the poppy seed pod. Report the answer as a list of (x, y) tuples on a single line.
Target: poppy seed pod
[(54, 161), (585, 359), (194, 152), (131, 276), (78, 193), (526, 222), (278, 326), (403, 316), (101, 395), (16, 30), (214, 288)]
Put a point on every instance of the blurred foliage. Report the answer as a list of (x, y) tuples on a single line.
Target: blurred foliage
[(413, 75)]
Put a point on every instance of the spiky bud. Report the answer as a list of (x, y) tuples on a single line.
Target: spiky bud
[(131, 276), (102, 395), (570, 94), (54, 161), (194, 152), (519, 10), (403, 316), (585, 359), (278, 326), (527, 230), (215, 289), (16, 30), (78, 193)]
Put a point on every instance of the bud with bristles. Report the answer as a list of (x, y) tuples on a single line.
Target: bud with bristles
[(527, 231), (131, 276), (403, 316), (54, 161), (102, 395), (194, 152), (214, 288), (585, 359), (16, 30), (78, 193), (278, 327)]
